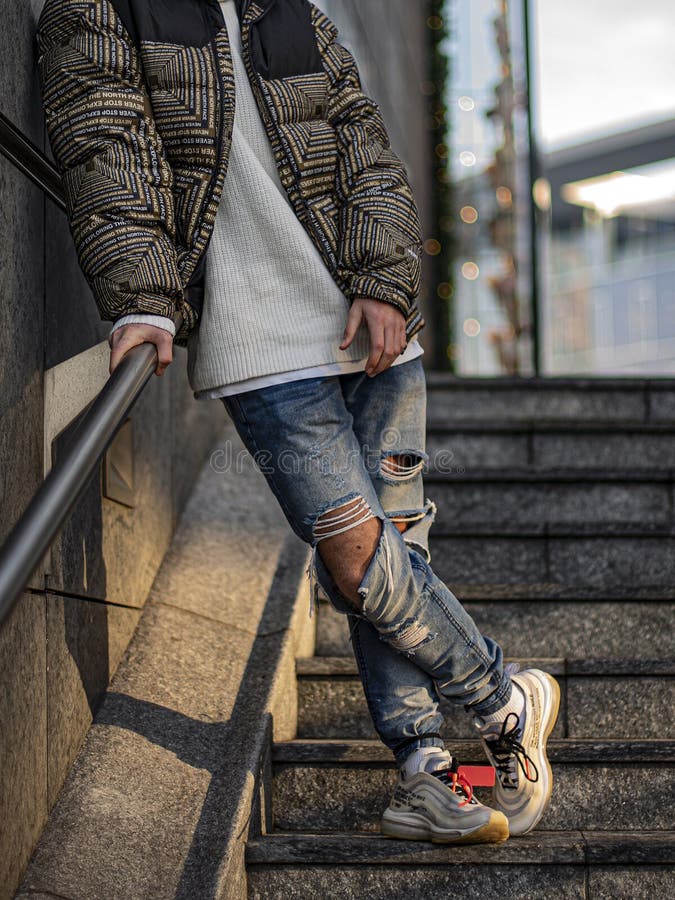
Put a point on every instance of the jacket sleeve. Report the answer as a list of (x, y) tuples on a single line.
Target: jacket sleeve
[(116, 178), (380, 229)]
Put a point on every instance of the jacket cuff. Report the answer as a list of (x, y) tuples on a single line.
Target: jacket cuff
[(374, 288), (145, 319)]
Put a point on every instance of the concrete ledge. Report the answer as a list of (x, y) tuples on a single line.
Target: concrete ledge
[(161, 798)]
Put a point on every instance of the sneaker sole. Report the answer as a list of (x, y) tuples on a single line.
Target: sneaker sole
[(415, 828), (542, 762)]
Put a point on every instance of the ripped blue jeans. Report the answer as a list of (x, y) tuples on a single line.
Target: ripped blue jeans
[(336, 451)]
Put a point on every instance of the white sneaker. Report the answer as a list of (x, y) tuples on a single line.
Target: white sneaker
[(516, 747), (437, 804)]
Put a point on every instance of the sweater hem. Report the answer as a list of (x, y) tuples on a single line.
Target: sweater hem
[(328, 369)]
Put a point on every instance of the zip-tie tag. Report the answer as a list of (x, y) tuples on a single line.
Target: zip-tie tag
[(478, 776)]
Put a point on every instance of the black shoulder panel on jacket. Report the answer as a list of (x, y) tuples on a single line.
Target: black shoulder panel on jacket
[(192, 23), (283, 41)]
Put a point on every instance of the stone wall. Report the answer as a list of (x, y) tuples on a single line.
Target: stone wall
[(70, 629), (389, 40), (68, 632)]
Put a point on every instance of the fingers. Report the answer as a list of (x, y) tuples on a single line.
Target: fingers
[(386, 345), (352, 326), (377, 345), (164, 353), (129, 336)]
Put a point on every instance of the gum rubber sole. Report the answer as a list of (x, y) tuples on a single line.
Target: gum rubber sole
[(553, 718), (555, 687), (495, 831)]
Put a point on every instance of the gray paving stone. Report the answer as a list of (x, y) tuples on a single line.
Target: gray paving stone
[(543, 628), (613, 707), (490, 559), (202, 569), (537, 848), (534, 402), (607, 630), (612, 561), (565, 752), (620, 707), (340, 798), (455, 450), (85, 642), (662, 406), (636, 883), (39, 895), (400, 882), (166, 745), (151, 757), (603, 561), (604, 450), (337, 709), (511, 503), (538, 446)]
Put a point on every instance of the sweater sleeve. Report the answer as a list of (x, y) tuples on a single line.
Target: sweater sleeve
[(145, 319), (115, 175), (380, 230)]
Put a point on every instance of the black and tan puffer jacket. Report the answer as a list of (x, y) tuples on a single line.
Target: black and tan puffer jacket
[(139, 102)]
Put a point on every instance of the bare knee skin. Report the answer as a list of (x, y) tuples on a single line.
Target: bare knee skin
[(347, 555)]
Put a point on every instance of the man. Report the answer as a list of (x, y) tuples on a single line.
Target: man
[(221, 161)]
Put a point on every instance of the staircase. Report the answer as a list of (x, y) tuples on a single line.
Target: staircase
[(556, 527)]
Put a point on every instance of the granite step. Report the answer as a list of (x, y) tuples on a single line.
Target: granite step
[(567, 554), (541, 625), (545, 447), (599, 785), (331, 704), (597, 400), (565, 502), (565, 864)]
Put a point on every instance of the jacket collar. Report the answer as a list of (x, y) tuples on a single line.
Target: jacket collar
[(251, 10)]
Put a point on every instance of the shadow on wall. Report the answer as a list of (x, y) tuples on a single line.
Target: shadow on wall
[(81, 549)]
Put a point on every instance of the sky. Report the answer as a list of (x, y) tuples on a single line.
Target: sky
[(600, 65)]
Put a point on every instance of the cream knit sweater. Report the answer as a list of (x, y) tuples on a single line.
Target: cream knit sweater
[(272, 311)]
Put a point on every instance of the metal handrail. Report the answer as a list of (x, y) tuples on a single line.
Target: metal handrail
[(28, 159), (35, 531)]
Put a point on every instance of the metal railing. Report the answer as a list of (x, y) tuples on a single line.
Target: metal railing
[(57, 495)]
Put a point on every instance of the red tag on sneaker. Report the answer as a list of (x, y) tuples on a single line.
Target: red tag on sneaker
[(478, 776)]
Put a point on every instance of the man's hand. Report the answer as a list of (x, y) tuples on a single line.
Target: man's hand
[(386, 327), (128, 336)]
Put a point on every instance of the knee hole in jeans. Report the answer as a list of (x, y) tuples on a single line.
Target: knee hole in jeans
[(348, 541), (340, 517), (398, 465)]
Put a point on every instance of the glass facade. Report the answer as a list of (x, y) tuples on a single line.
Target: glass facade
[(608, 244), (491, 278), (563, 200)]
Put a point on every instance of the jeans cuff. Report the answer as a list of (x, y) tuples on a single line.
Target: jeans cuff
[(411, 747), (498, 698)]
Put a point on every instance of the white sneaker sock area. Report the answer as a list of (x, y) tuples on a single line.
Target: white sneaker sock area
[(425, 759), (515, 705)]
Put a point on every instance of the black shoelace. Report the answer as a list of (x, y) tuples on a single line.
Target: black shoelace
[(505, 747)]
